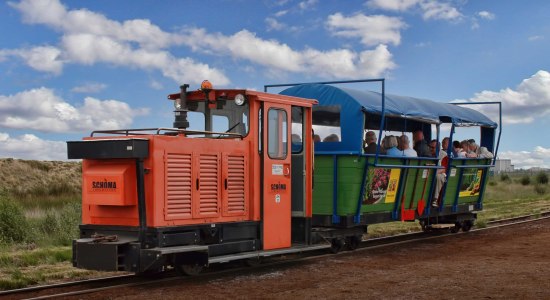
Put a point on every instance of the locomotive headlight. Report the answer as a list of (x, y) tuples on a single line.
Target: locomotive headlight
[(177, 104), (240, 99)]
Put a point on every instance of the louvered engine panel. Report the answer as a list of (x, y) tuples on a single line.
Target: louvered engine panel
[(208, 185), (178, 186), (235, 203)]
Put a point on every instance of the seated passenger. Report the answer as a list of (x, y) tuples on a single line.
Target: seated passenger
[(457, 150), (473, 149), (406, 150), (370, 143), (316, 138), (331, 138), (391, 146), (420, 145), (433, 147), (480, 152)]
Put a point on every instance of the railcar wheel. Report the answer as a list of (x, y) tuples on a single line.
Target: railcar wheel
[(467, 225), (456, 228), (189, 269), (353, 242), (424, 226), (336, 245)]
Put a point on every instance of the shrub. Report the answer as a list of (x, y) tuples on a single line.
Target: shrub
[(541, 178), (14, 227), (540, 189), (525, 180), (62, 225), (492, 183), (39, 165), (504, 177)]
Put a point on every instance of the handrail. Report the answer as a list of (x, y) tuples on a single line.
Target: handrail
[(471, 166), (138, 131), (406, 167)]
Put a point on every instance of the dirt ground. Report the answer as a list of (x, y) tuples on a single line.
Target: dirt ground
[(509, 263)]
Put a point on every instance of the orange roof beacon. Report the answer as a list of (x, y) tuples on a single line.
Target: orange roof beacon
[(233, 179)]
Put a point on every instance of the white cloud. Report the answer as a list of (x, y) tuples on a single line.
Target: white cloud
[(156, 85), (528, 102), (535, 38), (393, 5), (307, 4), (40, 109), (439, 11), (431, 9), (90, 87), (486, 15), (281, 13), (42, 58), (90, 38), (29, 146), (537, 158), (273, 24), (372, 30), (277, 56)]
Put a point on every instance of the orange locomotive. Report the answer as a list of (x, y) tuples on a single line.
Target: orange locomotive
[(153, 198)]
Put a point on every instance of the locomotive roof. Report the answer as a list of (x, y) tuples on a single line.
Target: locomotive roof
[(423, 110)]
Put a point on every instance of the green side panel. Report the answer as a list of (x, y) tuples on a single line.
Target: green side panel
[(467, 192), (323, 185), (379, 181)]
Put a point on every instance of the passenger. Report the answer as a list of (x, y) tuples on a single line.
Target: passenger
[(391, 146), (473, 149), (445, 145), (383, 145), (433, 147), (316, 138), (457, 150), (296, 138), (370, 143), (420, 145), (406, 149), (441, 176), (480, 152), (331, 138)]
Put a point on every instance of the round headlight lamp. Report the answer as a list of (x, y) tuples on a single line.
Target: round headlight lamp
[(177, 104), (240, 99)]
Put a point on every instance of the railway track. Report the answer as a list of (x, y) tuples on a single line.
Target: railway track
[(76, 288)]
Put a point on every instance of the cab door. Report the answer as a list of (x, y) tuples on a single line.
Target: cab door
[(276, 176)]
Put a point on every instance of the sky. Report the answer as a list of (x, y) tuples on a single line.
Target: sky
[(70, 67)]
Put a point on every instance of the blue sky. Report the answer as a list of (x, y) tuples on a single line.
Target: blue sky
[(69, 67)]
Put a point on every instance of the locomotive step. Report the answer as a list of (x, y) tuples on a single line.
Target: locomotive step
[(258, 254)]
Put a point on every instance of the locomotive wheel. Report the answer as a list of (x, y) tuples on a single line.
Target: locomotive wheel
[(253, 262), (336, 245), (467, 225), (353, 242), (456, 228), (189, 269)]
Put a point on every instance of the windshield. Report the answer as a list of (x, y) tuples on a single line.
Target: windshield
[(226, 116)]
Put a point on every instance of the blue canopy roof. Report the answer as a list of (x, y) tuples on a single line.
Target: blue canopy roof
[(354, 104), (399, 106)]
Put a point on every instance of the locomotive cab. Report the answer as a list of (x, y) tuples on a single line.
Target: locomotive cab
[(231, 180)]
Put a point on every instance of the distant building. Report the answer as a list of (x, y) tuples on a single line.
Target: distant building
[(503, 165)]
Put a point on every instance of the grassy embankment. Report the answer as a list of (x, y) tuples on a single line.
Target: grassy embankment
[(39, 217), (40, 213)]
